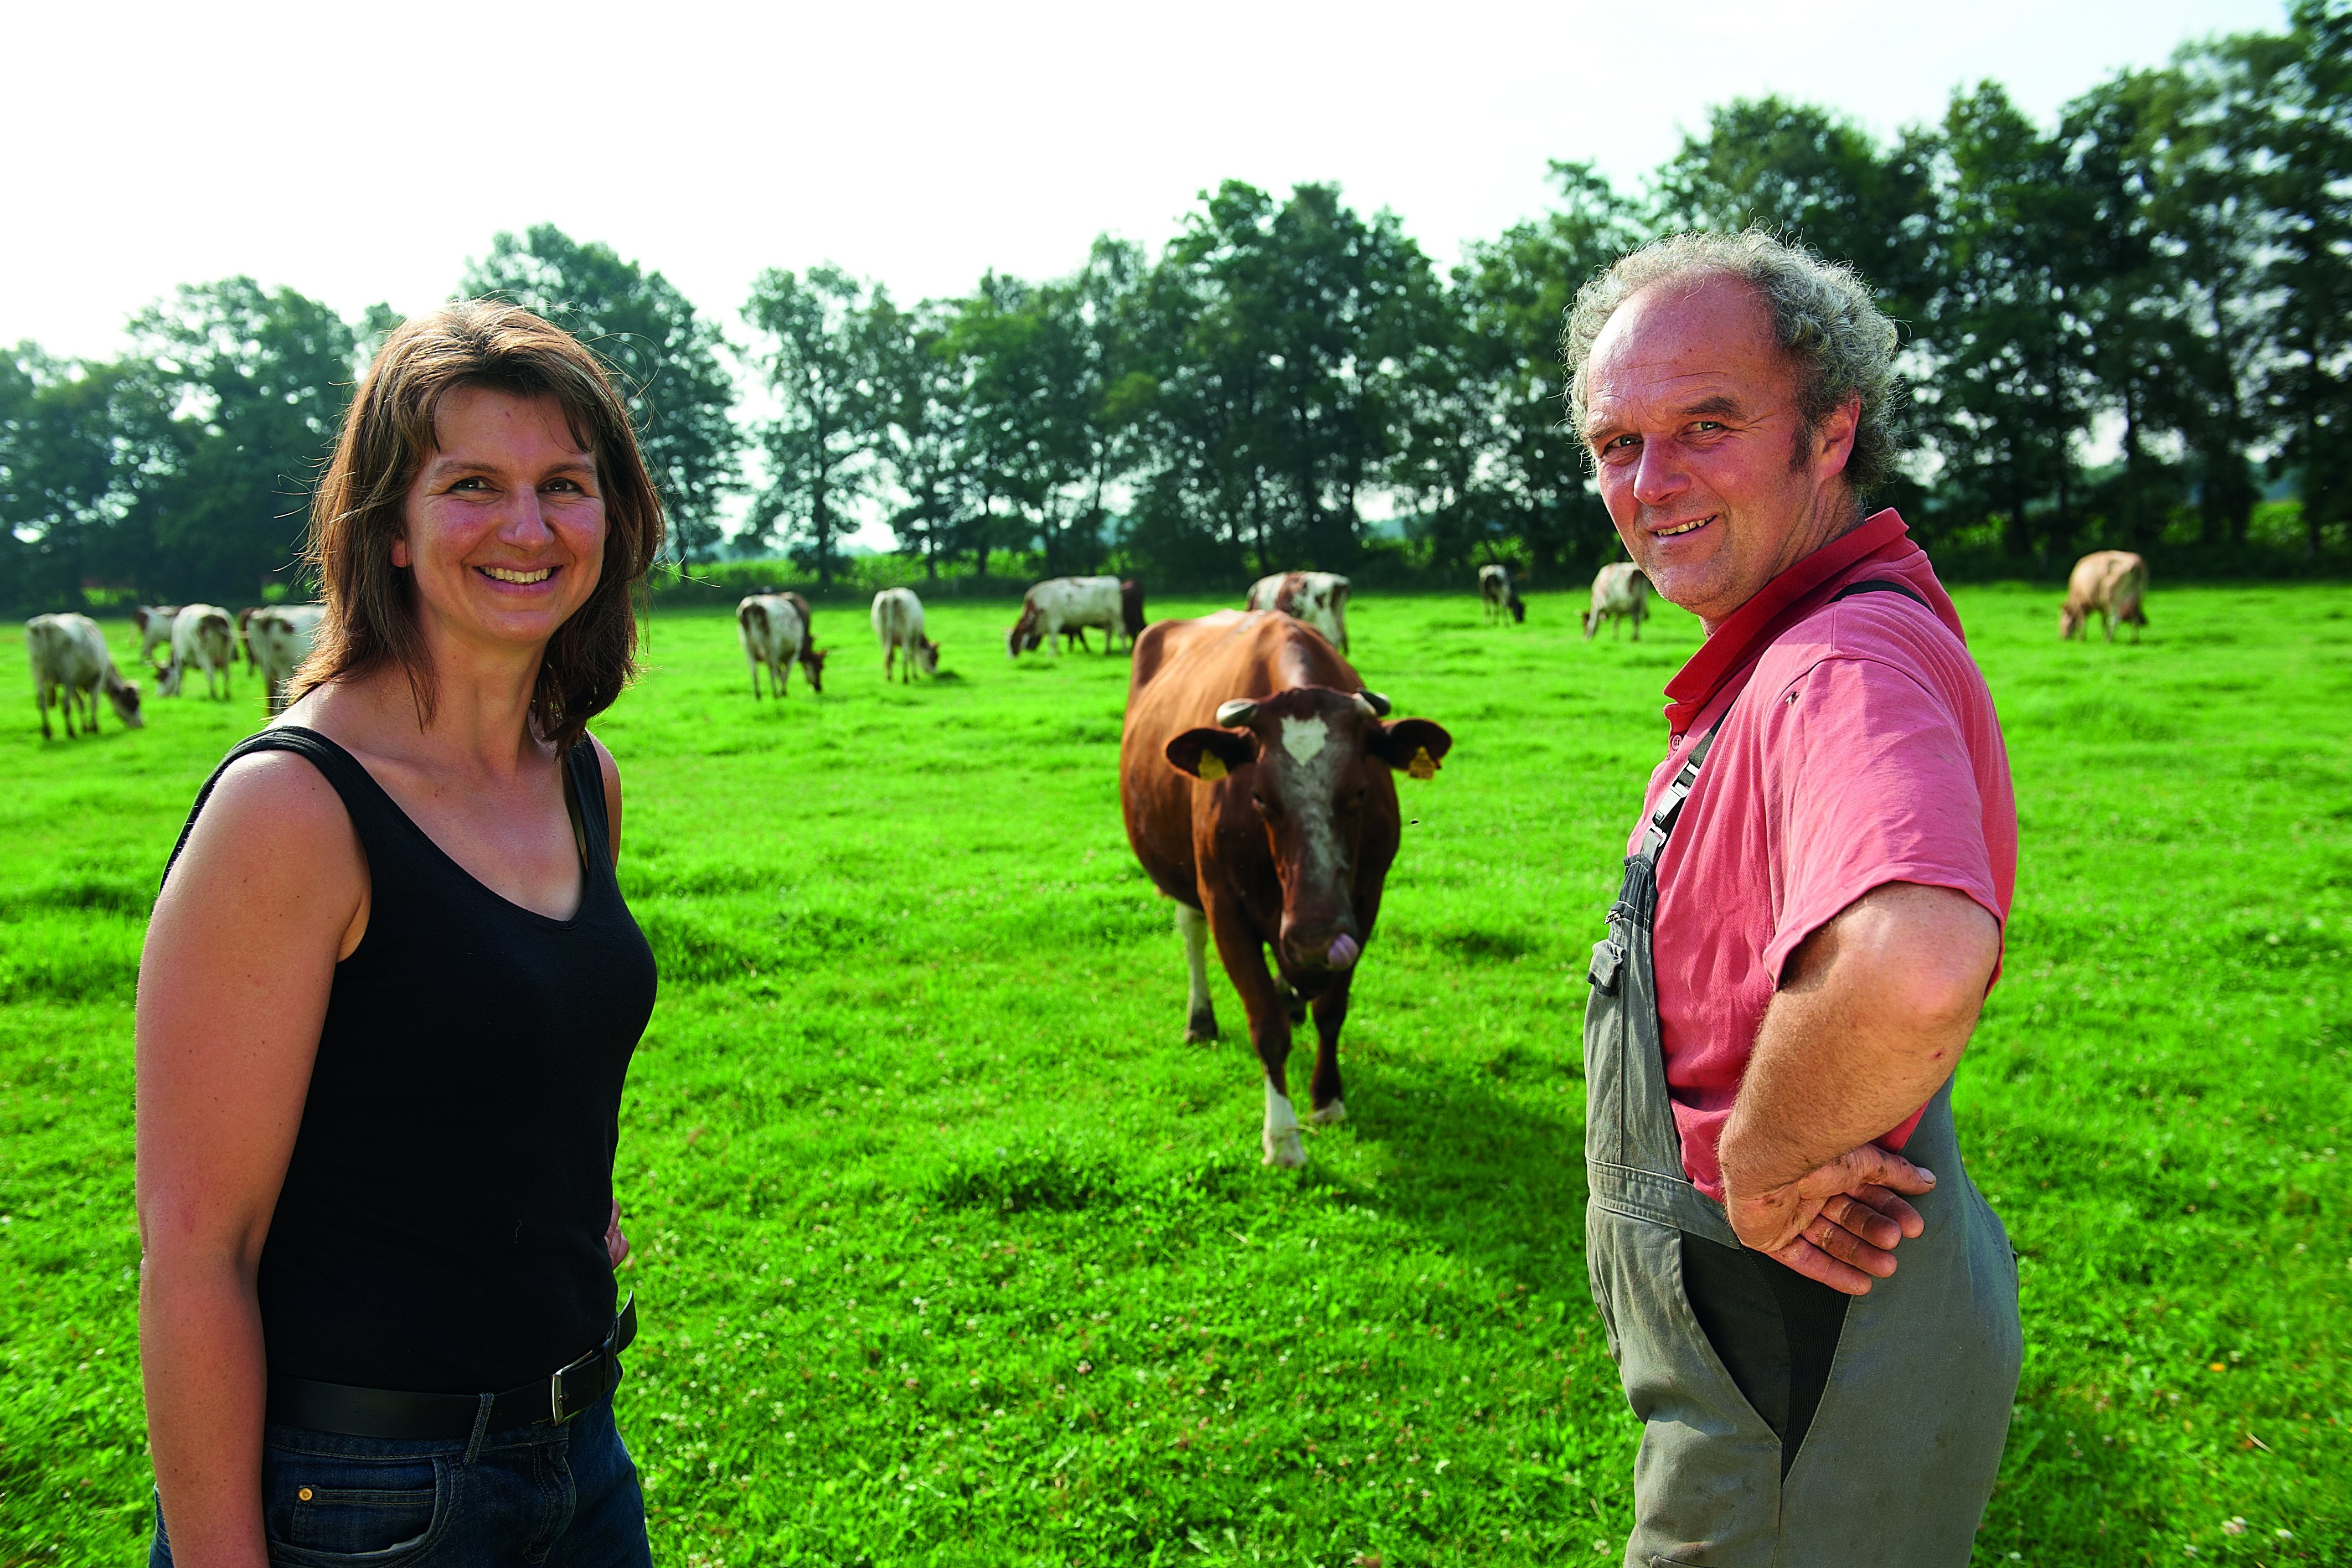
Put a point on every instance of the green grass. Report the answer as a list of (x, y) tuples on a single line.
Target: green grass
[(950, 1252)]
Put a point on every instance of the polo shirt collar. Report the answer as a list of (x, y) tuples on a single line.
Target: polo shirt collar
[(1750, 629)]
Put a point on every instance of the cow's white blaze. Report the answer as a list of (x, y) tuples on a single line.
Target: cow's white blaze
[(1281, 1138), (1305, 739), (1309, 779)]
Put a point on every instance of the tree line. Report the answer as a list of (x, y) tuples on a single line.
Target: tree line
[(2123, 329)]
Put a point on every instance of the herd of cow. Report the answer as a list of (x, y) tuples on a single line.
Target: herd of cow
[(1257, 772)]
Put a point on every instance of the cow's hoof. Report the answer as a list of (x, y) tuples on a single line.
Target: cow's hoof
[(1325, 1115), (1284, 1150), (1201, 1030)]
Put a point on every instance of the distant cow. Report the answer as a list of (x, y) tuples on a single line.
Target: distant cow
[(1497, 594), (2112, 583), (1318, 598), (1619, 592), (1059, 605), (1130, 609), (154, 624), (71, 664), (1256, 777), (776, 633), (278, 638), (201, 635), (899, 622)]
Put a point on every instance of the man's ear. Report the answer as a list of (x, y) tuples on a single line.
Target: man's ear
[(1834, 437), (1416, 745), (1211, 753)]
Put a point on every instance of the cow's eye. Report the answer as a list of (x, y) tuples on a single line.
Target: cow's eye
[(1265, 807)]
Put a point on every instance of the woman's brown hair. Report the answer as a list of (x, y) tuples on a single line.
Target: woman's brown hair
[(359, 507)]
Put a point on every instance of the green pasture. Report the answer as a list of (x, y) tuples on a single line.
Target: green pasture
[(949, 1251)]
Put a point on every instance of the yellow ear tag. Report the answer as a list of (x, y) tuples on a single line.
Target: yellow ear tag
[(1422, 766), (1212, 766)]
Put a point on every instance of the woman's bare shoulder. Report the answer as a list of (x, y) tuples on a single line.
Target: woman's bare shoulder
[(268, 808)]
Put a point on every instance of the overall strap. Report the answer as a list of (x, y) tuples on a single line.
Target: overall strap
[(1670, 804), (1882, 586), (351, 781)]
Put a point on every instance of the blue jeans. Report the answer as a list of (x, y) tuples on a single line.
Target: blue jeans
[(563, 1496)]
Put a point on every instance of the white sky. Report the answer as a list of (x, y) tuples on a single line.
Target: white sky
[(363, 153)]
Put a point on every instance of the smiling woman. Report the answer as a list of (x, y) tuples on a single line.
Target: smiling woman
[(389, 997)]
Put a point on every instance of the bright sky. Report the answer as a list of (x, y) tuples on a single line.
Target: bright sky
[(363, 153)]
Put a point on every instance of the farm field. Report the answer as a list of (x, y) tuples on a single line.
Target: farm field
[(949, 1251)]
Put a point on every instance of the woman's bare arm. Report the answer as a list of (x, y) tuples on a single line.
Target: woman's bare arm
[(270, 893)]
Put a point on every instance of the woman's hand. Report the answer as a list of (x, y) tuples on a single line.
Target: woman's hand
[(616, 1245)]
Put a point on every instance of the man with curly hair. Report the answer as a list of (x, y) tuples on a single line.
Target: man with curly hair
[(1813, 1311)]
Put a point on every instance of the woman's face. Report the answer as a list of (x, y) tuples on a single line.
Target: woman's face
[(505, 532)]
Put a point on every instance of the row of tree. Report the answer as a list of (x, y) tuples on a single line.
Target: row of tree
[(2118, 329)]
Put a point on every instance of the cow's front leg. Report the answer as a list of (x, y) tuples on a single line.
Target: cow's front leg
[(1244, 955), (1330, 1012), (1199, 1016)]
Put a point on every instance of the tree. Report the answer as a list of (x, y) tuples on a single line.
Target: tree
[(923, 419), (68, 473), (663, 355), (821, 444), (245, 389)]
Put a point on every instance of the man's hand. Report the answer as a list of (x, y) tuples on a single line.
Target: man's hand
[(1839, 1223), (616, 1245)]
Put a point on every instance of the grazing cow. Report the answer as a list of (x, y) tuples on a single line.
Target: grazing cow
[(2111, 582), (202, 636), (1255, 776), (1130, 609), (278, 638), (776, 632), (1061, 606), (154, 624), (71, 664), (1620, 592), (1318, 598), (899, 622), (1498, 593)]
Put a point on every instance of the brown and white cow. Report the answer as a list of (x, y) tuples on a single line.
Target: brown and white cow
[(1618, 592), (898, 622), (1499, 594), (1318, 598), (154, 624), (202, 636), (278, 638), (1063, 607), (71, 666), (1257, 779), (776, 633), (2111, 583)]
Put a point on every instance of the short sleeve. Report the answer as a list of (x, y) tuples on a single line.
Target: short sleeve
[(1872, 782)]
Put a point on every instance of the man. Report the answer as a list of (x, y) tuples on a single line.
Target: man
[(1813, 1309)]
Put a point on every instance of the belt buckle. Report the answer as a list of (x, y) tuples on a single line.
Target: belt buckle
[(556, 1413)]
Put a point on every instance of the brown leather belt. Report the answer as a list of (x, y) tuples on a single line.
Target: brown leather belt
[(384, 1413)]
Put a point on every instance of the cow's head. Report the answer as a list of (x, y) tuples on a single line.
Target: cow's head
[(2071, 616), (1315, 764), (1024, 637), (1519, 608), (926, 655), (124, 695), (813, 660)]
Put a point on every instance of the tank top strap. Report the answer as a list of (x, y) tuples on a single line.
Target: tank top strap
[(362, 797), (588, 790)]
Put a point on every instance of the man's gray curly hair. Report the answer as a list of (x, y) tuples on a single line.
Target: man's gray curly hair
[(1842, 344)]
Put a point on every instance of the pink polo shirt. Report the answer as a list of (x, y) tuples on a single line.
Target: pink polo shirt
[(1866, 751)]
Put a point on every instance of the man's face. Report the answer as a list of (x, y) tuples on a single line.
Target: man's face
[(1691, 412)]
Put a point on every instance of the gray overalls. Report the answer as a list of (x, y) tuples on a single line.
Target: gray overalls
[(1897, 1466)]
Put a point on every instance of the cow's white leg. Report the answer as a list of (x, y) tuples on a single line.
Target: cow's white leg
[(1199, 1016), (1281, 1138)]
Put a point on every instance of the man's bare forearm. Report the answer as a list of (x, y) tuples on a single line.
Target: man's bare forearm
[(1877, 1008), (200, 1343)]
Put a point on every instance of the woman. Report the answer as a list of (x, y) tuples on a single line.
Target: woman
[(388, 999)]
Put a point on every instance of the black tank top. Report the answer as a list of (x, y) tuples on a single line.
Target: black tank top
[(442, 1226)]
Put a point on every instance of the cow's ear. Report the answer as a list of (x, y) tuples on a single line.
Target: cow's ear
[(1416, 745), (1211, 754)]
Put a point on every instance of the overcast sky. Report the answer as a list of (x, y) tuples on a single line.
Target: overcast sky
[(363, 153)]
